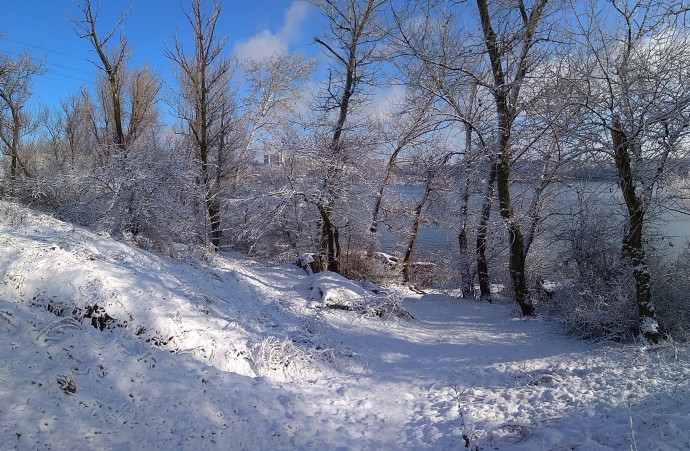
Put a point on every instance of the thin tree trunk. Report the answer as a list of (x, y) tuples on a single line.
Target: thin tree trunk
[(330, 240), (351, 44), (467, 285), (534, 212), (202, 110), (13, 166), (214, 217), (416, 223), (330, 234), (379, 195), (482, 237), (14, 149), (415, 130)]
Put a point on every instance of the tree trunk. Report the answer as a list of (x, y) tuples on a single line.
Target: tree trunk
[(415, 130), (15, 141), (214, 217), (416, 223), (379, 195), (506, 94), (467, 283), (330, 241), (202, 112), (14, 149), (409, 252), (13, 167), (482, 236), (374, 227), (516, 264), (329, 235), (633, 249)]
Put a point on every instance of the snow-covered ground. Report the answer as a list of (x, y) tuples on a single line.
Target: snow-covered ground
[(231, 354)]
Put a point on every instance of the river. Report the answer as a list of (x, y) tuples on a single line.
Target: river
[(440, 235)]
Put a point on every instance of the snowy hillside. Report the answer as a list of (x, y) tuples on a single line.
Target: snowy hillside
[(235, 355)]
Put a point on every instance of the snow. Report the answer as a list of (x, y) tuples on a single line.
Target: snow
[(334, 289), (649, 326), (304, 261), (231, 354)]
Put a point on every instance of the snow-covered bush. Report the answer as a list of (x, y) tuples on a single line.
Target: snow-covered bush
[(13, 214), (600, 307), (387, 307), (275, 354), (292, 356), (148, 196), (265, 220), (316, 335), (335, 292), (671, 296), (598, 302)]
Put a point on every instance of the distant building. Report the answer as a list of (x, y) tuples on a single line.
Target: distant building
[(275, 159)]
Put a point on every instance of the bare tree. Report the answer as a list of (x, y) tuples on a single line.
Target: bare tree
[(351, 42), (449, 66), (434, 167), (272, 89), (123, 113), (511, 34), (495, 66), (127, 97), (403, 128), (635, 90), (15, 121), (205, 104), (77, 126)]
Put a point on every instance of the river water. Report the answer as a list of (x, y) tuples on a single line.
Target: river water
[(439, 235)]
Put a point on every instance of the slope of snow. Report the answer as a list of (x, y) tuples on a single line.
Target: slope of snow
[(235, 355)]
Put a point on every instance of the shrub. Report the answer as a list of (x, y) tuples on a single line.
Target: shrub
[(378, 268), (597, 301), (671, 299)]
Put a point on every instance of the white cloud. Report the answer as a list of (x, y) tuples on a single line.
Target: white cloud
[(266, 43), (386, 100), (261, 46), (294, 17)]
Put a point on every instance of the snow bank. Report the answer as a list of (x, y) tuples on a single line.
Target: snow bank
[(233, 355), (334, 290)]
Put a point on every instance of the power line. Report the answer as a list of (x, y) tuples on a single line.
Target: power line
[(57, 64), (45, 49), (54, 72), (71, 68), (53, 65)]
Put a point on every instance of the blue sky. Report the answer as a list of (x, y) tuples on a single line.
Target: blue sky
[(254, 28)]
